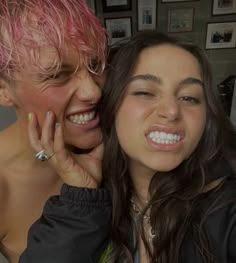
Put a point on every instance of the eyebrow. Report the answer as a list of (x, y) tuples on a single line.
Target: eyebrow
[(145, 77), (63, 66), (51, 70), (150, 77)]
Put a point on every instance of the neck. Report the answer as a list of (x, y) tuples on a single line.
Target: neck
[(141, 178)]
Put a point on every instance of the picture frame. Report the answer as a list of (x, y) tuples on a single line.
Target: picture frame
[(116, 5), (147, 14), (180, 20), (175, 1), (223, 7), (118, 28), (221, 35), (92, 5)]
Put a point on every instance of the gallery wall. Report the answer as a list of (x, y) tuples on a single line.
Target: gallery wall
[(223, 60)]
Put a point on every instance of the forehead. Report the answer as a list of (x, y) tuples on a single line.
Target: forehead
[(168, 57)]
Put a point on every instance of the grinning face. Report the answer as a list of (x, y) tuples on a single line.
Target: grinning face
[(163, 113), (70, 92)]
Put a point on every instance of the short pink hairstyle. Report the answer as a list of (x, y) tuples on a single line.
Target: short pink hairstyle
[(58, 23)]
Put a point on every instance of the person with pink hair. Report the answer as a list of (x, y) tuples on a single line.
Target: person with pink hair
[(52, 58)]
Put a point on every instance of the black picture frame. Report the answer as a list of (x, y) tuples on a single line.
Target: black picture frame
[(176, 1), (221, 35), (221, 8), (124, 5), (118, 28)]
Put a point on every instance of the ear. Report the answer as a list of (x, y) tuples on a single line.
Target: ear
[(5, 94)]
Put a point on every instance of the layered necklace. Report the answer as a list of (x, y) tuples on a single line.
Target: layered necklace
[(146, 220)]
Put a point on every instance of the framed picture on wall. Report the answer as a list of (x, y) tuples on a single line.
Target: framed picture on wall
[(92, 5), (221, 35), (223, 7), (174, 1), (180, 20), (118, 28), (116, 5), (147, 14)]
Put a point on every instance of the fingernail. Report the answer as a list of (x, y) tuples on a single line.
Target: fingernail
[(57, 125), (30, 115), (48, 114)]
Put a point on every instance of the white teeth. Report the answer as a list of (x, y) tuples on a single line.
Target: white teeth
[(163, 137), (82, 118)]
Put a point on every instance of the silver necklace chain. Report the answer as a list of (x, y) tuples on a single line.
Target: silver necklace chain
[(151, 233)]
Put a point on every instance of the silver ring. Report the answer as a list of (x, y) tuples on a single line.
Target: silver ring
[(42, 156), (51, 155)]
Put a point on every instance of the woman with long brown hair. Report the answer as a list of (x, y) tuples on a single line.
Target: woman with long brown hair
[(169, 162), (170, 155)]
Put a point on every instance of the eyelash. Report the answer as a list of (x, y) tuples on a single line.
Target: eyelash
[(190, 99), (142, 93), (58, 77), (187, 99)]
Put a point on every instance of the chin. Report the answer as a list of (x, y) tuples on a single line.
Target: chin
[(165, 167)]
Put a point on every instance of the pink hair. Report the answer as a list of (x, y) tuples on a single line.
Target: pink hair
[(58, 23)]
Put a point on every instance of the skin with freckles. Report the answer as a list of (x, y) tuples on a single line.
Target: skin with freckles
[(52, 59)]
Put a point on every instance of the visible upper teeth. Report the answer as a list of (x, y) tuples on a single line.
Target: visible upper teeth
[(163, 137), (82, 118)]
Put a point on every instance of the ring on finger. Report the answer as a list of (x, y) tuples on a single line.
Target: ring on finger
[(42, 156), (51, 155)]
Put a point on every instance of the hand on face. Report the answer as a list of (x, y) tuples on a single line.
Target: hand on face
[(83, 170)]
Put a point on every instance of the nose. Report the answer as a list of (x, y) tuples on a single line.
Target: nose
[(168, 108), (87, 88)]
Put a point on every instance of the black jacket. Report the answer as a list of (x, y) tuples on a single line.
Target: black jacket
[(74, 228)]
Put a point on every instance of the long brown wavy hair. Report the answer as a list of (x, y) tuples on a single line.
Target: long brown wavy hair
[(178, 207)]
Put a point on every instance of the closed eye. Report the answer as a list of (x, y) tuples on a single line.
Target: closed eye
[(142, 93), (189, 99), (60, 76)]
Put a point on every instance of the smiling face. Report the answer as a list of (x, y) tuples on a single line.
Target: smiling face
[(71, 92), (162, 116)]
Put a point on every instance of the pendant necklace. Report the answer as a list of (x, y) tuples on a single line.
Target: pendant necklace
[(151, 233)]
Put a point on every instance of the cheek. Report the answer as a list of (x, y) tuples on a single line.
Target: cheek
[(40, 103), (196, 127)]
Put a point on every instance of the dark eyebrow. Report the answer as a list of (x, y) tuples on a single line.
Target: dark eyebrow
[(191, 81), (145, 77), (156, 79)]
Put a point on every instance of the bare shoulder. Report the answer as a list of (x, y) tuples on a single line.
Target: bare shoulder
[(4, 201), (5, 167)]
